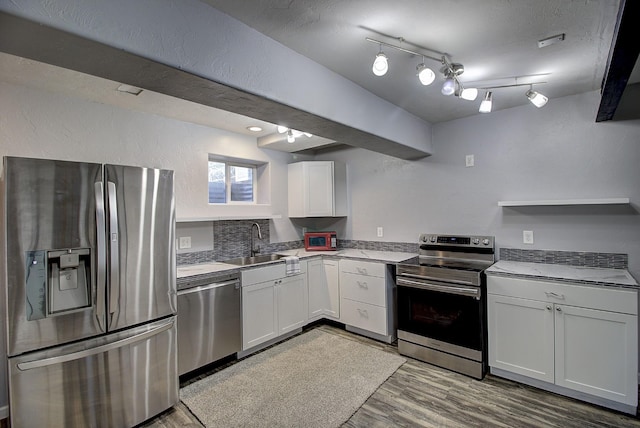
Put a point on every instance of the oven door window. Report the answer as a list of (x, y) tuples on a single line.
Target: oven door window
[(449, 318)]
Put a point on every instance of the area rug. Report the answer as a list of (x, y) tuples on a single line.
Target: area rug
[(316, 379)]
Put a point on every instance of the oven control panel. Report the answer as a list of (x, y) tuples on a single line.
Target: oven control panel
[(464, 241)]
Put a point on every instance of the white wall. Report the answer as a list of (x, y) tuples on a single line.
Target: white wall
[(41, 124), (556, 152)]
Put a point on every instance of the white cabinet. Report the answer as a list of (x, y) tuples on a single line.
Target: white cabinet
[(259, 314), (272, 303), (367, 299), (317, 189), (572, 339), (292, 303), (324, 289)]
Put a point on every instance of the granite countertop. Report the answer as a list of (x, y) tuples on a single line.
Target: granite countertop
[(580, 274), (186, 271), (353, 253)]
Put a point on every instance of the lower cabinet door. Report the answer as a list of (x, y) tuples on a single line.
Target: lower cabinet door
[(521, 336), (259, 314), (332, 308), (318, 295), (596, 353), (292, 303)]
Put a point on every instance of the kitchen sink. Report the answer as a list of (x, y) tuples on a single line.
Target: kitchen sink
[(244, 261)]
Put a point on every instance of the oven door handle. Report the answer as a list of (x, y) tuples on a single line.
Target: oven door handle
[(463, 291), (426, 277)]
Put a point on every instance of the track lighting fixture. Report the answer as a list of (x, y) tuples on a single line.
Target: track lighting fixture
[(292, 134), (485, 105), (469, 94), (536, 98), (449, 86), (380, 64), (425, 74), (450, 72)]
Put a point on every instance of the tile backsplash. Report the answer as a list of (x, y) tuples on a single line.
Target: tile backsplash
[(231, 239), (571, 258)]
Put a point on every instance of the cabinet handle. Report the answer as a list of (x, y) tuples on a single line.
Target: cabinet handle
[(362, 271), (558, 308), (548, 307), (363, 312), (554, 295), (363, 285)]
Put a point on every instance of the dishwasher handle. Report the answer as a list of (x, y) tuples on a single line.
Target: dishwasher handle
[(212, 286)]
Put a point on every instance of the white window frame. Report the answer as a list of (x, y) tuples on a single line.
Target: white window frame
[(232, 162)]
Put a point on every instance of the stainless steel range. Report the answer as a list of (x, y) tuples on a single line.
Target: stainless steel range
[(442, 302)]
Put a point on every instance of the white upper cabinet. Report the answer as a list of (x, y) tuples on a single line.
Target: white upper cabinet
[(317, 189)]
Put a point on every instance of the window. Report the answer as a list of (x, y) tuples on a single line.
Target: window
[(231, 182)]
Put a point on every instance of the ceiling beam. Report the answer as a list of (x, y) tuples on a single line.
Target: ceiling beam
[(622, 58), (28, 39)]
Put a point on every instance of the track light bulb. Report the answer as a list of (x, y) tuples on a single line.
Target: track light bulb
[(425, 74), (290, 137), (485, 105), (469, 94), (449, 86), (282, 129), (380, 65), (536, 98)]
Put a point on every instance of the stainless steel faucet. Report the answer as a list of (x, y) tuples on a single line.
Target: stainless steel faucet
[(255, 251)]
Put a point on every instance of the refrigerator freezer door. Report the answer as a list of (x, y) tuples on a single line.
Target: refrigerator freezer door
[(49, 219), (141, 243), (117, 380)]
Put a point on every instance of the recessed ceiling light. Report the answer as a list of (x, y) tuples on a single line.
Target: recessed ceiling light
[(129, 89), (254, 128)]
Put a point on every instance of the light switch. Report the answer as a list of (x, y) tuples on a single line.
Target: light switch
[(380, 232)]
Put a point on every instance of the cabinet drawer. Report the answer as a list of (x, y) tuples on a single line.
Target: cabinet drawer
[(362, 288), (363, 268), (363, 315), (603, 298), (262, 274)]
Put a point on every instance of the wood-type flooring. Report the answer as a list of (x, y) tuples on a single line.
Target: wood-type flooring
[(421, 395)]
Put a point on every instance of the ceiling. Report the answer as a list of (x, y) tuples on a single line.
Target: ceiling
[(495, 40)]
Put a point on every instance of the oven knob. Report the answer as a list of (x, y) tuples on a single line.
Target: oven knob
[(432, 239), (475, 241), (424, 238), (485, 241)]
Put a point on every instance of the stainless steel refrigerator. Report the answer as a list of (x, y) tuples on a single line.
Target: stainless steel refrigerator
[(88, 271)]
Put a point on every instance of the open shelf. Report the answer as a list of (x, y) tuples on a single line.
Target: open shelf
[(560, 202), (242, 217)]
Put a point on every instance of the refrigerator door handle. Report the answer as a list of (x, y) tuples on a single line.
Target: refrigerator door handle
[(101, 253), (29, 365), (114, 259)]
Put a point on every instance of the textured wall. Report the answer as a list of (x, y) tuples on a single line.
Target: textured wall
[(41, 124), (557, 152)]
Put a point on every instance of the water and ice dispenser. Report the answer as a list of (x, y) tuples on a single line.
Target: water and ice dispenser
[(57, 281)]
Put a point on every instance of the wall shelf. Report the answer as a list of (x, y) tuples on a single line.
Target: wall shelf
[(242, 217), (561, 202)]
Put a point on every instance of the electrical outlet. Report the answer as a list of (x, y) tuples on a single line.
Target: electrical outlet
[(380, 232), (527, 236), (185, 242), (469, 160)]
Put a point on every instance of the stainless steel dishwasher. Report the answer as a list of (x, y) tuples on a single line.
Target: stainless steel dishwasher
[(209, 320)]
